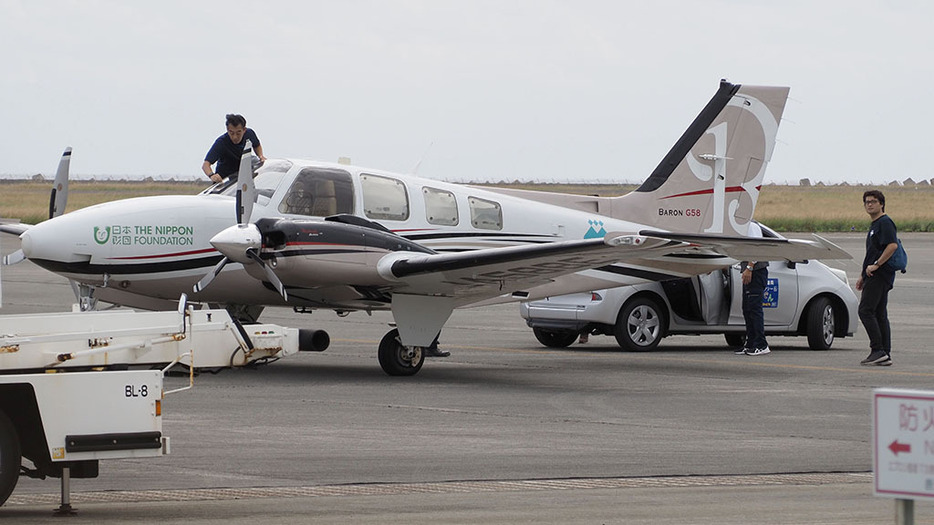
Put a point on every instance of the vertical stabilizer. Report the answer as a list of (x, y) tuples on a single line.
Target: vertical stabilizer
[(709, 182)]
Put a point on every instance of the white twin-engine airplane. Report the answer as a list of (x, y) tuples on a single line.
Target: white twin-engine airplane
[(321, 235)]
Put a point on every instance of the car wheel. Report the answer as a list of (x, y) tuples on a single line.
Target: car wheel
[(820, 324), (555, 338), (640, 325), (735, 340)]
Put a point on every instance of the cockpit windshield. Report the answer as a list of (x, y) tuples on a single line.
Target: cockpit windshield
[(267, 179)]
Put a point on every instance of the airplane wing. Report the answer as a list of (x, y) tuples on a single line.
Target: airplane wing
[(760, 248), (481, 274), (429, 286)]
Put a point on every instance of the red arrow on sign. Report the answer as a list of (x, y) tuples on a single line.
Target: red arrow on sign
[(897, 447)]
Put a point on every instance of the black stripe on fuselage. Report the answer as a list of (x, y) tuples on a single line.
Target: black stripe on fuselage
[(84, 268), (637, 273)]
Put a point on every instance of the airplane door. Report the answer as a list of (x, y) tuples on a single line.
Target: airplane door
[(714, 290)]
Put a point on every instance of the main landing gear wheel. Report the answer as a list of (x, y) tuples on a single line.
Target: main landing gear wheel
[(10, 458), (397, 359)]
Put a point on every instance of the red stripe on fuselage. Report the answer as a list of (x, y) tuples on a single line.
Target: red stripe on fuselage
[(163, 255), (731, 189)]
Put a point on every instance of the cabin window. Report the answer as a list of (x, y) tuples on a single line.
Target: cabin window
[(485, 215), (319, 192), (384, 198), (440, 207)]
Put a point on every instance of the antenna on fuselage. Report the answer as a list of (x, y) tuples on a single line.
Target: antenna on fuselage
[(425, 154)]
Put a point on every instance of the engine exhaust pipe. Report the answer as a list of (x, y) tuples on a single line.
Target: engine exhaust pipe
[(313, 340)]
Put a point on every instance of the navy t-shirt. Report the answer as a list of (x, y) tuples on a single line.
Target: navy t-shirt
[(882, 232), (227, 154)]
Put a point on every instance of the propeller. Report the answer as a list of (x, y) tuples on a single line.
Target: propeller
[(57, 200), (59, 196), (241, 243)]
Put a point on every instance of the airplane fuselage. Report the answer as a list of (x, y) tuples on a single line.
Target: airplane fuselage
[(159, 246)]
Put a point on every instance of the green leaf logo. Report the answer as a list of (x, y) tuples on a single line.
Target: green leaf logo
[(101, 235)]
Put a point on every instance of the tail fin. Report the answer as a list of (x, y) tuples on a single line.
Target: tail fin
[(709, 182)]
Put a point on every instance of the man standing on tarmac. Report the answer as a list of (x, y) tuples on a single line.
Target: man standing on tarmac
[(228, 148), (755, 276), (876, 279)]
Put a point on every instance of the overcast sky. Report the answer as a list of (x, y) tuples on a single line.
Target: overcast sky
[(539, 90)]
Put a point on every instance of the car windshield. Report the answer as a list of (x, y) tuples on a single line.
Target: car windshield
[(267, 179), (769, 232)]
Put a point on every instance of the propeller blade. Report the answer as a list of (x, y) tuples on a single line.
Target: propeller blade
[(59, 196), (206, 280), (270, 275), (13, 258), (246, 193)]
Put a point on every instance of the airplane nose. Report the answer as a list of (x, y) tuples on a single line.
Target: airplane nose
[(234, 241)]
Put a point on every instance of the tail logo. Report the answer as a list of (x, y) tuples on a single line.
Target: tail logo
[(712, 168)]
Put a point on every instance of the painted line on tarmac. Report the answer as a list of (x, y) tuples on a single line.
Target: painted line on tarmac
[(755, 361), (733, 360), (444, 487)]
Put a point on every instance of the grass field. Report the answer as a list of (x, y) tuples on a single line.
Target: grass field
[(784, 208)]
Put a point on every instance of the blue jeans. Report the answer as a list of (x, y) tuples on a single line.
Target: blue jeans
[(752, 309), (873, 312)]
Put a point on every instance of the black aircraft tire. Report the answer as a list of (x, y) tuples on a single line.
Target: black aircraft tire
[(821, 324), (396, 359), (10, 458), (555, 338)]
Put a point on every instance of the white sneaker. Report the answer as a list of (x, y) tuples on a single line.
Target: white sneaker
[(743, 351), (758, 351)]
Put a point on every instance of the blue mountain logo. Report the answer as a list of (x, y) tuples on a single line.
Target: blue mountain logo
[(596, 230)]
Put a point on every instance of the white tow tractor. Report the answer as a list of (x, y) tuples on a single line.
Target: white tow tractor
[(79, 387)]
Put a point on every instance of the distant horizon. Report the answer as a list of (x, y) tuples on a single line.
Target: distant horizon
[(597, 182)]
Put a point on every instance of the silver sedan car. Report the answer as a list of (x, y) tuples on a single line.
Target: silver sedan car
[(807, 299)]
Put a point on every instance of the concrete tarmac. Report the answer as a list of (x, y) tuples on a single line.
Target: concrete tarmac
[(507, 431)]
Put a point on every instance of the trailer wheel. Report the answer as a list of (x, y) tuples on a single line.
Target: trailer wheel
[(10, 458)]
